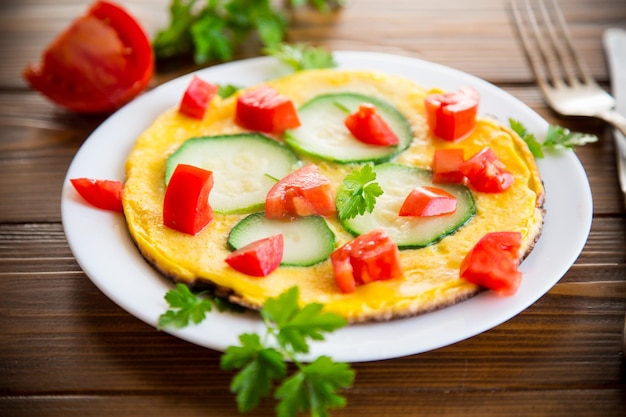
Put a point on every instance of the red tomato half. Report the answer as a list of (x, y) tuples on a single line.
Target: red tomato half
[(493, 262), (452, 116), (304, 192), (99, 63), (197, 98), (186, 204), (445, 166), (369, 127), (266, 110), (486, 173), (372, 256), (428, 201), (104, 194), (259, 258)]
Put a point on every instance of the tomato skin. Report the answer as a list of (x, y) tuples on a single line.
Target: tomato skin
[(264, 109), (197, 97), (186, 205), (372, 256), (100, 62), (452, 116), (258, 258), (493, 262), (369, 127), (486, 173), (445, 166), (103, 194), (304, 192), (426, 201)]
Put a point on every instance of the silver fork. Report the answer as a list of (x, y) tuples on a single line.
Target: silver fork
[(567, 85), (564, 79)]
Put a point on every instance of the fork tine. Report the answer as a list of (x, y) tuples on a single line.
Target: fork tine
[(548, 44), (567, 51), (530, 41)]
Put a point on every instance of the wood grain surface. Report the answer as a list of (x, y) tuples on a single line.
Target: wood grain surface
[(67, 350)]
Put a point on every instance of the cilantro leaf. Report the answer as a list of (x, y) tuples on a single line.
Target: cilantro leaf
[(301, 56), (260, 367), (186, 308), (358, 193), (314, 387)]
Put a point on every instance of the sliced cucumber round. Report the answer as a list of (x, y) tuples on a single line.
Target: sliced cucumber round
[(322, 132), (408, 232), (308, 240), (244, 167)]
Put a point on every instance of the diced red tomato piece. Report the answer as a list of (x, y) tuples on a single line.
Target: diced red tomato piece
[(368, 126), (186, 205), (428, 201), (486, 173), (99, 63), (372, 256), (493, 262), (452, 116), (445, 166), (304, 192), (197, 97), (103, 194), (264, 109), (258, 258)]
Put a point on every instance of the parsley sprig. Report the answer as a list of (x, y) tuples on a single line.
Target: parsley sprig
[(358, 193), (557, 137), (214, 29), (187, 307), (302, 56), (262, 360)]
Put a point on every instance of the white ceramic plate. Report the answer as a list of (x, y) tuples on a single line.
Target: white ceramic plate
[(105, 252)]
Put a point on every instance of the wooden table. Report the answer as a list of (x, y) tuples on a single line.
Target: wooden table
[(67, 350)]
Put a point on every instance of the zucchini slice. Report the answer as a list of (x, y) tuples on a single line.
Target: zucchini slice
[(308, 240), (243, 166), (397, 181), (323, 134)]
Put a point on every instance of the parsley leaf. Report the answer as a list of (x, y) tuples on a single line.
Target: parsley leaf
[(358, 193), (560, 137), (294, 324), (260, 367), (214, 29), (557, 137), (533, 144), (314, 387), (186, 308), (301, 56)]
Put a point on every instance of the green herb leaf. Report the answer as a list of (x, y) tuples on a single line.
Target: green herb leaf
[(561, 138), (227, 90), (295, 325), (301, 56), (260, 367), (263, 362), (186, 308), (358, 193), (314, 388), (533, 144), (557, 137), (214, 29)]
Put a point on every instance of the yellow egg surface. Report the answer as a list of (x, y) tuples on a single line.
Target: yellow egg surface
[(431, 274)]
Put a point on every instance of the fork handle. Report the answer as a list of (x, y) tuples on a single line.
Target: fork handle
[(615, 119)]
